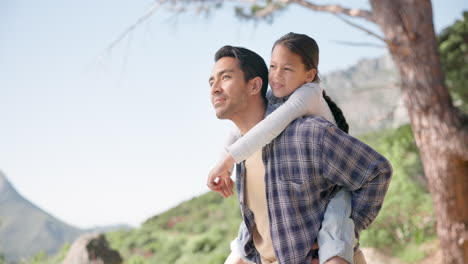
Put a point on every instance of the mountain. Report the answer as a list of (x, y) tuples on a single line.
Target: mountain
[(369, 95), (26, 229)]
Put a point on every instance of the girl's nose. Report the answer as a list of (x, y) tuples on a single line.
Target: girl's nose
[(275, 74)]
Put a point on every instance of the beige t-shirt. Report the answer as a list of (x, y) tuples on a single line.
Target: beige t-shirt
[(255, 196)]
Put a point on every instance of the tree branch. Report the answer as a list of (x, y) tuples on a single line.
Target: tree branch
[(362, 44), (336, 9), (142, 19), (362, 28), (268, 9), (263, 12), (260, 12)]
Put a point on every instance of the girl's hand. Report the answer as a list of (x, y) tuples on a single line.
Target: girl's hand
[(219, 178)]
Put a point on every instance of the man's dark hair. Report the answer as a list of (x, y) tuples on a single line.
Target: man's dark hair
[(251, 64)]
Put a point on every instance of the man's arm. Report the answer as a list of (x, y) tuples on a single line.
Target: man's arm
[(354, 165)]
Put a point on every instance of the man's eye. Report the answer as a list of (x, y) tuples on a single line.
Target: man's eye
[(287, 69), (225, 77)]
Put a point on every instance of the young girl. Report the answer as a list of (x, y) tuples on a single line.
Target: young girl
[(295, 93)]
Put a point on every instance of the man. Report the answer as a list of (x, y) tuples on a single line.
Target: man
[(302, 168)]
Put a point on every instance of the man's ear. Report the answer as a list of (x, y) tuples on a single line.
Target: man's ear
[(255, 85), (310, 75)]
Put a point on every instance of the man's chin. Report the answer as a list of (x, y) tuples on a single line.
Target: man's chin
[(221, 115)]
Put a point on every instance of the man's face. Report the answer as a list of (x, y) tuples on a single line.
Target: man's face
[(228, 88)]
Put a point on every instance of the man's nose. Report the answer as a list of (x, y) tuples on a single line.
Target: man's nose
[(215, 88)]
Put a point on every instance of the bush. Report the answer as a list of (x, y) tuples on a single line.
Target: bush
[(406, 218)]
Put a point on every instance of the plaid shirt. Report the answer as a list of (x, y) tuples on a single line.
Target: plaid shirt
[(303, 167)]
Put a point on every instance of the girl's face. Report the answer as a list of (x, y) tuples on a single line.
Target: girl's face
[(287, 72)]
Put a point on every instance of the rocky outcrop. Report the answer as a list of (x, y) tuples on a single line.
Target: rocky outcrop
[(369, 95), (92, 248)]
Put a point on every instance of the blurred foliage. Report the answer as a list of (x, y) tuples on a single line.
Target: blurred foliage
[(406, 219), (453, 48), (42, 258)]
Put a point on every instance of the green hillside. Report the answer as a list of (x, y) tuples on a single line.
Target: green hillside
[(197, 231)]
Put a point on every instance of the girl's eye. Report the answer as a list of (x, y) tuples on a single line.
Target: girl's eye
[(272, 66)]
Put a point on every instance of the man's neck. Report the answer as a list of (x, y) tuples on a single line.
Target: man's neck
[(251, 117)]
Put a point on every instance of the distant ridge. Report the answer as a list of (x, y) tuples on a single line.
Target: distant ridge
[(369, 94), (110, 228), (25, 229)]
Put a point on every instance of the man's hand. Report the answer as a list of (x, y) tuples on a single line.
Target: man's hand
[(336, 260), (219, 178)]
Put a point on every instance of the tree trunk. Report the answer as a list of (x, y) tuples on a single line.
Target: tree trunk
[(440, 130)]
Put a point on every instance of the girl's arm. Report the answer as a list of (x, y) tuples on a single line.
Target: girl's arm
[(305, 101)]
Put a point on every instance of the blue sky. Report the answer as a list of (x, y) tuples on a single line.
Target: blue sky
[(122, 138)]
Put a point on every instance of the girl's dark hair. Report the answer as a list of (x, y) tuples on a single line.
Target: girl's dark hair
[(337, 114), (308, 50), (304, 46)]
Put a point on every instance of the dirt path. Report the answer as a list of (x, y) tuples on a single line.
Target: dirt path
[(434, 256), (373, 256)]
